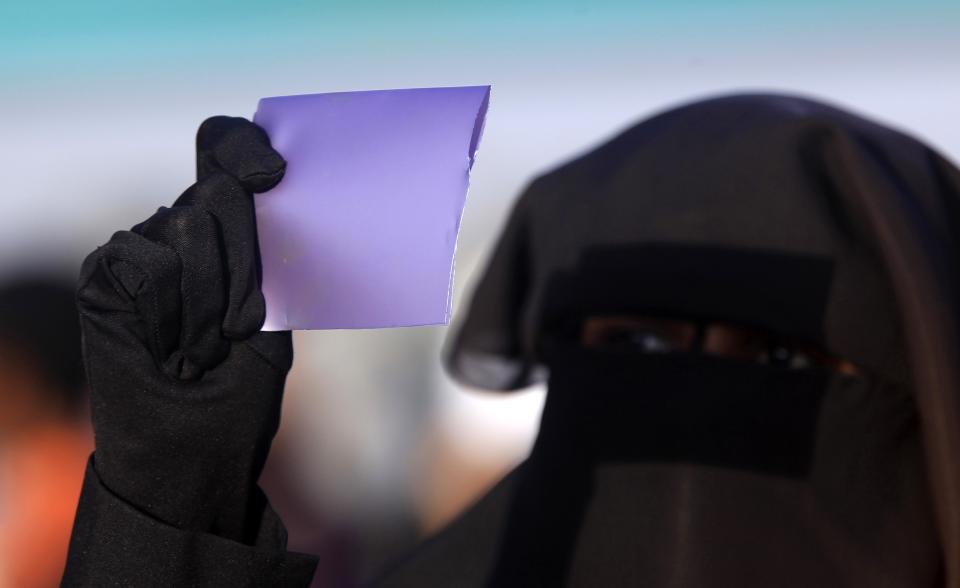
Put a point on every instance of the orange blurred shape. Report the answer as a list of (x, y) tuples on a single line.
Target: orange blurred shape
[(40, 477)]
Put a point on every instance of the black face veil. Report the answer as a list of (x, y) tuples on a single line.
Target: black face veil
[(770, 211)]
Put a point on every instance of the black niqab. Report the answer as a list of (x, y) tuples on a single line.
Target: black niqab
[(771, 211)]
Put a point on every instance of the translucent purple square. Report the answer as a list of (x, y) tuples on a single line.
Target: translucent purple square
[(362, 230)]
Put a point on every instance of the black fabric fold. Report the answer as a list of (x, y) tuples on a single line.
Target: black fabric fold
[(116, 544)]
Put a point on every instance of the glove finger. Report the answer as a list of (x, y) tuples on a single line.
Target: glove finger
[(240, 148), (130, 288), (222, 196), (193, 235)]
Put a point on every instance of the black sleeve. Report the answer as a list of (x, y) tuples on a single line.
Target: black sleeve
[(115, 544)]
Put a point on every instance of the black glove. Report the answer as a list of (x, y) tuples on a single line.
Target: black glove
[(185, 389)]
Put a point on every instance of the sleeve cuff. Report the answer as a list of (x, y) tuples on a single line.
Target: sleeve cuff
[(114, 544)]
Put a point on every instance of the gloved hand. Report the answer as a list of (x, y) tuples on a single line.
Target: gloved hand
[(185, 389)]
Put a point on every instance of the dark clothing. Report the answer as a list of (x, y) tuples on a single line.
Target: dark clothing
[(773, 212), (615, 520), (185, 387), (684, 470), (115, 544)]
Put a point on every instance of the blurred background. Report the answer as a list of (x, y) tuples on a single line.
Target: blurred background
[(99, 103)]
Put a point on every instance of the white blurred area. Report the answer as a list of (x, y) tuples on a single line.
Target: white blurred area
[(375, 428)]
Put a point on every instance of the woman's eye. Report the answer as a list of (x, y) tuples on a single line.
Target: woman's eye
[(642, 340), (785, 357), (800, 361)]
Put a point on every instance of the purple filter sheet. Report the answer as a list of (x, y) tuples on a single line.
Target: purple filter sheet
[(362, 230)]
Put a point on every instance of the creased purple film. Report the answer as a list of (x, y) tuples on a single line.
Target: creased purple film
[(362, 230)]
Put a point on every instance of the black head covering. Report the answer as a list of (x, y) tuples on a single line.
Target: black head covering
[(773, 211)]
